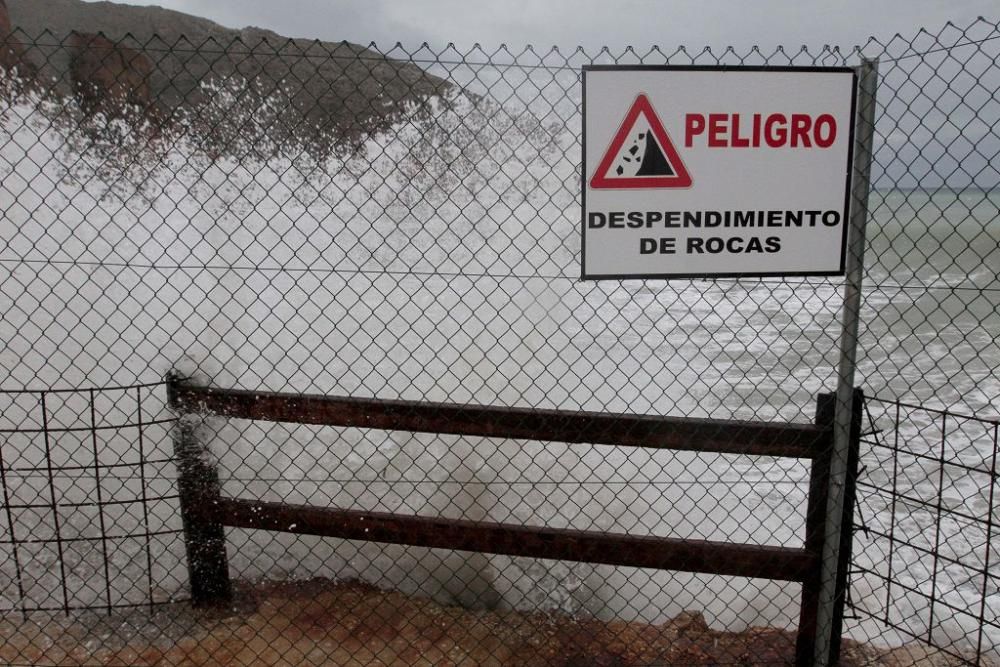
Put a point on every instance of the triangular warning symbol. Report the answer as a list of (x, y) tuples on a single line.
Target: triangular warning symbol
[(641, 155)]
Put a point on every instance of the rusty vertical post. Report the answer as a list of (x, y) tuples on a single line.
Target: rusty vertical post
[(819, 479), (847, 524), (199, 490)]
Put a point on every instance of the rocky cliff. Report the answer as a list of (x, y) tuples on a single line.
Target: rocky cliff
[(108, 76), (105, 52), (12, 53)]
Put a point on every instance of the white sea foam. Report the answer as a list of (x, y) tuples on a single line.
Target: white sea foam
[(437, 262)]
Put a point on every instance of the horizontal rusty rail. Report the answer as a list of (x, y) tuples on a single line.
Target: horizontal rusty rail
[(769, 562), (206, 512), (802, 441)]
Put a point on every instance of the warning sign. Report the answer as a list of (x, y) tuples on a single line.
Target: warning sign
[(696, 172), (641, 155)]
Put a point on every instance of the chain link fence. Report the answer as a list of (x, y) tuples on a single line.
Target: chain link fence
[(395, 224)]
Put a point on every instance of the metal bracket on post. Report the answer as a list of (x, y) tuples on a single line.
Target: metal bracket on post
[(830, 612), (204, 537)]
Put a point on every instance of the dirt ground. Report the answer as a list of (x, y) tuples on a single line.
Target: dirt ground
[(354, 624)]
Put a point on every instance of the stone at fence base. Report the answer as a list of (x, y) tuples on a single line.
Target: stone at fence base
[(685, 623)]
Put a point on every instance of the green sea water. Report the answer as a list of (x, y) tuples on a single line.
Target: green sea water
[(930, 324)]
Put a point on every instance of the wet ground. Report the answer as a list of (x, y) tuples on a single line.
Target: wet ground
[(321, 623)]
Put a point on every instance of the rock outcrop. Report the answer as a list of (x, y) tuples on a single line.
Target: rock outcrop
[(12, 52), (4, 18), (329, 94), (109, 77)]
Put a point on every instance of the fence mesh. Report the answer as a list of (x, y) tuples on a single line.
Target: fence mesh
[(302, 217), (925, 530)]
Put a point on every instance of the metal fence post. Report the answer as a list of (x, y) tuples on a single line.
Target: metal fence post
[(204, 537), (827, 623)]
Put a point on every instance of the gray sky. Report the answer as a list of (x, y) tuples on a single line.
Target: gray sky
[(590, 23)]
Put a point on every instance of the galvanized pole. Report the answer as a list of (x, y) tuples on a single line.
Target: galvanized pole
[(826, 623)]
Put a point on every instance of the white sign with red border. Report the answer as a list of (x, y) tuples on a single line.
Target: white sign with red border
[(715, 171)]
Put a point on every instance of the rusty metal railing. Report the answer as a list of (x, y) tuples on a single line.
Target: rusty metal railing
[(207, 512)]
